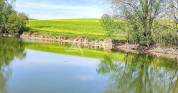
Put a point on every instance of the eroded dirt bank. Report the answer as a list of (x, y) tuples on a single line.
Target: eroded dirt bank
[(102, 44), (168, 52)]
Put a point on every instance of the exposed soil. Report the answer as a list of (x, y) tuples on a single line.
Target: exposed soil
[(168, 52), (102, 44)]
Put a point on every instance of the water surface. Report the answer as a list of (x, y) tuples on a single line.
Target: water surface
[(52, 68)]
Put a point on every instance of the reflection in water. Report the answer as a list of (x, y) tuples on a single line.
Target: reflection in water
[(129, 73), (9, 49), (140, 74)]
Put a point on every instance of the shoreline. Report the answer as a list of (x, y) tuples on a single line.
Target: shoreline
[(95, 44), (165, 52), (108, 45)]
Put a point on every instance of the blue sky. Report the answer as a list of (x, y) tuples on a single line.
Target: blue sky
[(62, 9)]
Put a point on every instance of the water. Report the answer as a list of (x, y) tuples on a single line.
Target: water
[(52, 68)]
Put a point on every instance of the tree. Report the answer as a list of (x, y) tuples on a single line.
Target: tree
[(107, 23), (16, 23), (10, 20), (111, 25), (1, 15), (12, 25), (22, 21), (141, 17), (5, 10), (174, 11)]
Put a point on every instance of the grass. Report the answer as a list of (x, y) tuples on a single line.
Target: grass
[(86, 28)]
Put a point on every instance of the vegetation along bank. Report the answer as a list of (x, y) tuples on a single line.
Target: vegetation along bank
[(12, 23)]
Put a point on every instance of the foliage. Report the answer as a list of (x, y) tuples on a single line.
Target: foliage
[(143, 21), (165, 33), (174, 11), (107, 23), (112, 26), (10, 20)]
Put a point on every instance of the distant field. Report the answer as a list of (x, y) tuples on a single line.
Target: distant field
[(87, 28)]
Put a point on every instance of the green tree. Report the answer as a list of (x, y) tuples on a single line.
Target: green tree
[(10, 20), (1, 15), (22, 21), (12, 23), (16, 23), (107, 23), (174, 11), (111, 25), (142, 18)]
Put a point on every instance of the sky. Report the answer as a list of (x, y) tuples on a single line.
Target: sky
[(62, 9)]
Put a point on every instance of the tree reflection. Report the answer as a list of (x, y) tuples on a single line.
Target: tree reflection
[(140, 74), (10, 48)]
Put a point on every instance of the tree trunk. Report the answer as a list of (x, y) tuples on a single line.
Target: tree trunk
[(1, 32)]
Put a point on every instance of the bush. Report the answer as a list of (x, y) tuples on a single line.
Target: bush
[(10, 20)]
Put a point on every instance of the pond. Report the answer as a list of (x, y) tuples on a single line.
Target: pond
[(31, 67)]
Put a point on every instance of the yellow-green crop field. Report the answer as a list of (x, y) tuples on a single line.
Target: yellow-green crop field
[(86, 28)]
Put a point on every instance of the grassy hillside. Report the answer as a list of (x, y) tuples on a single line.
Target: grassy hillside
[(87, 28)]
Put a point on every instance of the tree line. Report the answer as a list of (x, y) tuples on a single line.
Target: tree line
[(146, 22), (11, 21)]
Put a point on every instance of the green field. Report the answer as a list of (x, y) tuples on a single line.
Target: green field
[(86, 28)]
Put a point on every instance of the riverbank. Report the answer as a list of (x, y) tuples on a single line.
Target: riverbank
[(9, 35), (78, 41), (167, 52)]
